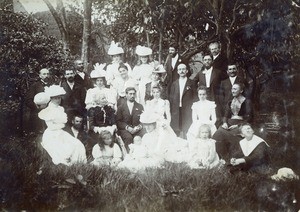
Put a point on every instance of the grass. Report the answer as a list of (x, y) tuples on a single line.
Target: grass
[(30, 182)]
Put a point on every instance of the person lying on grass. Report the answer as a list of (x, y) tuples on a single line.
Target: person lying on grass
[(251, 154), (106, 151), (202, 149)]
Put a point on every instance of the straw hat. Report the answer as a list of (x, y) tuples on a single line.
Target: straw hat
[(98, 71), (285, 174), (159, 69), (41, 98), (111, 129), (114, 49), (143, 51), (54, 90), (147, 118)]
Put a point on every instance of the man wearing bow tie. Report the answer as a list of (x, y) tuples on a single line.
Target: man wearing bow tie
[(182, 96), (80, 76)]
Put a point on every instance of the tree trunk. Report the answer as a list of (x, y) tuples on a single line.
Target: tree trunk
[(85, 50), (59, 21)]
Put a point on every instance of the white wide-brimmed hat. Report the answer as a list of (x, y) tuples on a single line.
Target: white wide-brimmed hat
[(54, 90), (143, 51), (41, 98), (114, 49), (147, 118), (285, 174), (111, 129), (98, 71), (159, 69)]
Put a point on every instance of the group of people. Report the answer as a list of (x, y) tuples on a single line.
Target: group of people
[(138, 118)]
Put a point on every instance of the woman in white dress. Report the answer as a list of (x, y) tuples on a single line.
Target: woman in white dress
[(203, 112), (124, 81), (142, 72), (98, 77), (60, 145), (116, 53)]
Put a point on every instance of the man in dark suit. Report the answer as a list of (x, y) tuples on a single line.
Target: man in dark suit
[(76, 129), (209, 77), (128, 118), (35, 124), (220, 60), (81, 77), (171, 64), (182, 94), (234, 76), (74, 98)]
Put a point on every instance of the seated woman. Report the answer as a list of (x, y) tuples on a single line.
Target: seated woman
[(252, 152), (60, 145), (98, 77), (203, 112), (202, 149), (106, 151), (238, 111)]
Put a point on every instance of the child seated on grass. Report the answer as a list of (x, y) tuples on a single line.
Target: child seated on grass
[(203, 150), (106, 151)]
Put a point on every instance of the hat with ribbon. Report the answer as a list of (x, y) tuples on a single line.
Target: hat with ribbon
[(159, 69), (285, 174), (41, 98), (54, 90), (98, 71), (143, 51), (114, 49)]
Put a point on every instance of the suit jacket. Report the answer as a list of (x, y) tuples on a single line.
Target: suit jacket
[(221, 63), (172, 74), (124, 117), (188, 97), (74, 98), (86, 82), (34, 89), (215, 81)]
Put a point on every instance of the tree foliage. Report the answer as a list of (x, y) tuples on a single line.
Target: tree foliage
[(25, 49)]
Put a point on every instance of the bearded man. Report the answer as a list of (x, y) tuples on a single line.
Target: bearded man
[(73, 100)]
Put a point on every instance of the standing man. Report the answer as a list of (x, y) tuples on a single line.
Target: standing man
[(73, 100), (234, 76), (171, 64), (181, 98), (220, 60), (128, 118), (81, 77), (209, 77), (36, 124)]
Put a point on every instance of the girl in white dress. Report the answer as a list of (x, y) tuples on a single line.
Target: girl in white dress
[(106, 152), (142, 72), (202, 150), (92, 95), (203, 112)]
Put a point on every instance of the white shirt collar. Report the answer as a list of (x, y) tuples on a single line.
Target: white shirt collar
[(232, 79), (248, 146), (174, 60)]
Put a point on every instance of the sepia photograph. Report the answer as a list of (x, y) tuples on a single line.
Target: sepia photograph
[(150, 105)]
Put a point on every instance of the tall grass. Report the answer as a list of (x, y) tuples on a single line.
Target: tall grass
[(29, 181)]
